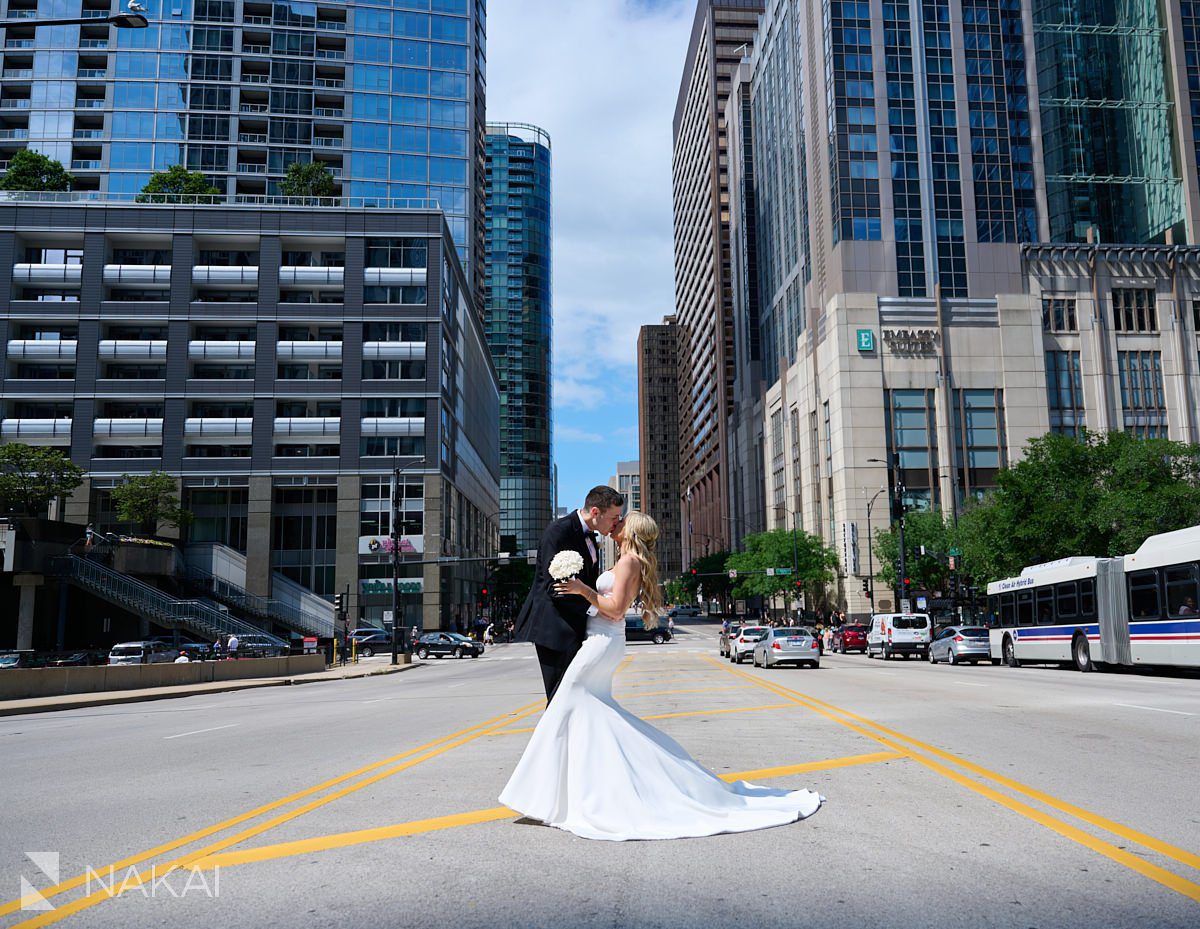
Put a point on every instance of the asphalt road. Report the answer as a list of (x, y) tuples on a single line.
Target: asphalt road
[(957, 797)]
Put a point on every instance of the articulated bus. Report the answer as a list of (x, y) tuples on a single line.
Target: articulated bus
[(1139, 609)]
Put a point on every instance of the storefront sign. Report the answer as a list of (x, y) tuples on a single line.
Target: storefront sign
[(866, 340), (382, 544), (383, 585), (911, 341)]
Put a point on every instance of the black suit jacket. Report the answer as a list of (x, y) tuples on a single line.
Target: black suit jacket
[(555, 622)]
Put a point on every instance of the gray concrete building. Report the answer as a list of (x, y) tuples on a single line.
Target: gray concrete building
[(658, 438), (280, 361)]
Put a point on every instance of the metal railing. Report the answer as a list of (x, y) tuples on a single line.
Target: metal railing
[(152, 603), (263, 607), (96, 196)]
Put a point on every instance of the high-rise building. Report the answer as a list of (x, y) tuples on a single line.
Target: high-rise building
[(658, 434), (970, 221), (627, 480), (518, 320), (722, 34), (388, 95), (281, 363)]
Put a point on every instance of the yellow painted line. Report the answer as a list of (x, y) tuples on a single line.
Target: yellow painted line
[(692, 690), (380, 833), (895, 741), (132, 882), (736, 709)]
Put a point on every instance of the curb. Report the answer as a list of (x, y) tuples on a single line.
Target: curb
[(117, 697)]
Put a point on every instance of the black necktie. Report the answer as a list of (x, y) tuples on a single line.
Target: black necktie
[(593, 535)]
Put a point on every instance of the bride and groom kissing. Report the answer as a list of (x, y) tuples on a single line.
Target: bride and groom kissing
[(591, 767)]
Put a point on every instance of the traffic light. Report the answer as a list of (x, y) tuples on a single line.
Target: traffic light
[(484, 592), (866, 585), (898, 509), (693, 572), (339, 603), (907, 585)]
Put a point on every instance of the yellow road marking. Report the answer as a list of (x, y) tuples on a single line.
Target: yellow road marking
[(379, 833), (693, 690), (895, 741), (736, 709), (444, 744)]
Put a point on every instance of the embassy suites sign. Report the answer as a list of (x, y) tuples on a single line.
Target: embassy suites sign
[(911, 341)]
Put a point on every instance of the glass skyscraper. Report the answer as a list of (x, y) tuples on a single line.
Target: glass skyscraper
[(517, 267), (389, 94)]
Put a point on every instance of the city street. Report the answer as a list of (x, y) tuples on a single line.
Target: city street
[(956, 796)]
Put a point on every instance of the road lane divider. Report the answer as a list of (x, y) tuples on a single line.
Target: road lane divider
[(921, 753), (159, 850), (476, 817)]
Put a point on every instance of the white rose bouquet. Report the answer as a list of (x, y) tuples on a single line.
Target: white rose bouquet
[(565, 564)]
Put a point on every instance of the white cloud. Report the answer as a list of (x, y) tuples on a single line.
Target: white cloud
[(601, 76), (574, 434)]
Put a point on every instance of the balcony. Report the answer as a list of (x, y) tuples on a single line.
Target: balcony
[(133, 349), (88, 134), (331, 25), (309, 351), (393, 351), (19, 43), (393, 276), (22, 14), (308, 426), (17, 73), (245, 167), (93, 43), (35, 430), (329, 82), (203, 350), (321, 141), (95, 14), (14, 133), (90, 73), (15, 103), (41, 349), (257, 20), (254, 108), (329, 112), (85, 165), (253, 138), (142, 275), (128, 429), (256, 49), (393, 425), (47, 274), (224, 274), (256, 79), (86, 103), (217, 427), (331, 54), (311, 277)]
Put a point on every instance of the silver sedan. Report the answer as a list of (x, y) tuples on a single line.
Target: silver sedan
[(792, 645), (956, 644)]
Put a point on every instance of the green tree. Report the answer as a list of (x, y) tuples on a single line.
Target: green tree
[(711, 577), (921, 528), (148, 500), (676, 591), (814, 564), (307, 179), (32, 476), (177, 185), (33, 171)]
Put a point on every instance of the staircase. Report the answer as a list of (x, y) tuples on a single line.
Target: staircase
[(219, 572), (153, 604)]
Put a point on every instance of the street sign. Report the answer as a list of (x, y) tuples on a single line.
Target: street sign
[(782, 570), (922, 604), (953, 562), (733, 574), (866, 340), (906, 605), (387, 617), (770, 572), (955, 552)]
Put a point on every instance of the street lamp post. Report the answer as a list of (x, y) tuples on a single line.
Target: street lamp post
[(399, 632), (870, 556), (120, 20), (898, 509)]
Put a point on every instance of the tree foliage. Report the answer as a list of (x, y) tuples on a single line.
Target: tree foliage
[(29, 170), (177, 185), (32, 476), (928, 571), (1102, 494), (307, 179), (814, 563), (676, 591), (148, 500), (711, 577)]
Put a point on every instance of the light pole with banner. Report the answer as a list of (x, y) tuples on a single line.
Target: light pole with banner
[(400, 643)]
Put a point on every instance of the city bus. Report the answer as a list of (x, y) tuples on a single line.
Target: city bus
[(1138, 609)]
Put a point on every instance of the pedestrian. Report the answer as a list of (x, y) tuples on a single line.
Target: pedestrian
[(232, 646), (216, 650), (488, 635), (183, 658)]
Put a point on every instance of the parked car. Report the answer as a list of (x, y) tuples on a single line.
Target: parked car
[(852, 637), (636, 631), (78, 659), (961, 643), (898, 634), (724, 639), (369, 643), (259, 646), (788, 645), (197, 651), (24, 658), (149, 651), (685, 611), (742, 647), (365, 630), (441, 644)]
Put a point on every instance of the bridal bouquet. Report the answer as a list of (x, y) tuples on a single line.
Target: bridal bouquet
[(565, 564)]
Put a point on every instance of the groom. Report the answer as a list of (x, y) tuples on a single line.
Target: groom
[(558, 625)]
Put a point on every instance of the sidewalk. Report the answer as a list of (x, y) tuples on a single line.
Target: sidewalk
[(107, 698)]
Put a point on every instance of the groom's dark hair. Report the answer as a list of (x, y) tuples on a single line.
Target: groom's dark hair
[(603, 498)]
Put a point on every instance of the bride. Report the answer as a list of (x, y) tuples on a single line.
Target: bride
[(595, 769)]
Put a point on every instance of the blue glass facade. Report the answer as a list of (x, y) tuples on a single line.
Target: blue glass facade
[(388, 95), (517, 318)]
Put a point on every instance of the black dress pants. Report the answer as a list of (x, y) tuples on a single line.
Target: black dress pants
[(554, 665)]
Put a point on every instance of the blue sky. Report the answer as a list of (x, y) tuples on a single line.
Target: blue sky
[(601, 76)]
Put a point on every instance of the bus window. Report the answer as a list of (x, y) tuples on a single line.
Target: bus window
[(1143, 596), (1025, 608), (1045, 606), (1067, 596), (1181, 590), (1087, 600), (993, 608), (1008, 610)]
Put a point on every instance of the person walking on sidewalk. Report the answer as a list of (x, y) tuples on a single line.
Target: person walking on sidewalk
[(232, 646)]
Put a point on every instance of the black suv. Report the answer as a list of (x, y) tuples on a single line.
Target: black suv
[(372, 643), (441, 644), (636, 631)]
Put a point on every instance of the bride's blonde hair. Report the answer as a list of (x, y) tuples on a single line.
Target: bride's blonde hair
[(639, 539)]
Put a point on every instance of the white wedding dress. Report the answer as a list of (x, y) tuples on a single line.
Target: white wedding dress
[(595, 769)]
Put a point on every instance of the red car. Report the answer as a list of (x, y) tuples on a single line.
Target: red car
[(851, 637)]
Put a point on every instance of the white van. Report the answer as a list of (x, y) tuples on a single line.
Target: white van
[(898, 634), (148, 652)]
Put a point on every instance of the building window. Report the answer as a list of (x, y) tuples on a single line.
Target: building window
[(413, 295), (390, 446), (304, 536), (397, 253), (797, 477), (1058, 314), (978, 439), (1134, 309), (1064, 386), (912, 434), (1142, 397)]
